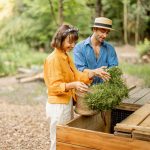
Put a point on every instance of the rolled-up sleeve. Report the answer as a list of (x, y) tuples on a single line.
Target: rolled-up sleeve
[(53, 77)]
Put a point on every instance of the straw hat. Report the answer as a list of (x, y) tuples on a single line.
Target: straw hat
[(102, 22)]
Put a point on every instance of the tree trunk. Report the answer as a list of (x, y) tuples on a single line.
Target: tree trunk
[(98, 8), (91, 5), (137, 22), (61, 16), (125, 4), (52, 11)]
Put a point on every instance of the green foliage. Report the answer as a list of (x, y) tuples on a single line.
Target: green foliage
[(144, 47), (30, 23), (33, 22), (19, 56), (109, 94), (139, 70), (78, 15), (114, 11)]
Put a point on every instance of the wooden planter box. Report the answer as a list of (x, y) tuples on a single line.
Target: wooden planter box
[(91, 133)]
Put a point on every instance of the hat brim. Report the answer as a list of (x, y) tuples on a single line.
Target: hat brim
[(101, 27)]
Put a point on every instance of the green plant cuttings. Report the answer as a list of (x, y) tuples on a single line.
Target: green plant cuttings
[(109, 94)]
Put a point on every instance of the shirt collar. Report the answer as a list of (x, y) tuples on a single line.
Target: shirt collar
[(88, 41), (61, 53)]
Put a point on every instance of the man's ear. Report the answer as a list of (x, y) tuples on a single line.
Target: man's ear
[(93, 29)]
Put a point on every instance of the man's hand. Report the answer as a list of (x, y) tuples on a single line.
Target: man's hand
[(100, 72)]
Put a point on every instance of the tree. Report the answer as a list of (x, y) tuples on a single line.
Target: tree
[(98, 8), (61, 16), (52, 11), (125, 20), (137, 22)]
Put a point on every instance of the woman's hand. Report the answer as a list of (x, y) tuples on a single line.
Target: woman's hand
[(100, 72), (80, 86)]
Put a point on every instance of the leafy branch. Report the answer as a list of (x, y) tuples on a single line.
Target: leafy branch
[(109, 94)]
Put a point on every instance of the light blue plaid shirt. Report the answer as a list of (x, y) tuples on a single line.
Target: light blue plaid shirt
[(84, 57)]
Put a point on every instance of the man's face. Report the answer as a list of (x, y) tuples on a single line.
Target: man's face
[(100, 34)]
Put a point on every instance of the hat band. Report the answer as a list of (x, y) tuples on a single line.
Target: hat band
[(103, 25)]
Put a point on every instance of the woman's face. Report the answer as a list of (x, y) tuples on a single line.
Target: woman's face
[(67, 46)]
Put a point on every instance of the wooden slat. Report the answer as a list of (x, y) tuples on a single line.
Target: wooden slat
[(65, 146), (19, 76), (136, 96), (142, 132), (38, 76), (131, 87), (144, 100), (141, 135), (97, 140), (138, 116), (129, 128), (122, 134), (135, 90), (128, 107), (134, 119), (146, 122)]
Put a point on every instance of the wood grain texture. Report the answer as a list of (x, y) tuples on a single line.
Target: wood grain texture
[(135, 119), (65, 146), (137, 96), (97, 140)]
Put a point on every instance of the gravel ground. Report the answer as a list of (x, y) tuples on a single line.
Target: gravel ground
[(23, 125)]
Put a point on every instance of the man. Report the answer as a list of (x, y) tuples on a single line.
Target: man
[(94, 52)]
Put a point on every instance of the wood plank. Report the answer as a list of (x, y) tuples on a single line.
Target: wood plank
[(128, 107), (144, 100), (134, 119), (135, 90), (146, 122), (136, 96), (129, 128), (97, 140), (25, 70), (24, 75), (65, 146), (94, 122), (32, 78), (138, 116), (123, 134), (142, 132), (141, 135), (131, 87)]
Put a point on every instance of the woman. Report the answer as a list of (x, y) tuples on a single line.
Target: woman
[(62, 79)]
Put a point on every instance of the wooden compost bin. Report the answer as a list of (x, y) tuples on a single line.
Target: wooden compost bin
[(90, 132)]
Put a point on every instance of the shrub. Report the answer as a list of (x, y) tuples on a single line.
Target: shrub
[(109, 94), (143, 47), (19, 55)]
